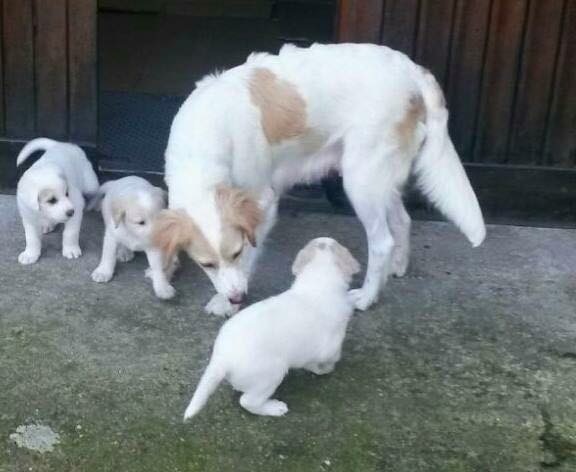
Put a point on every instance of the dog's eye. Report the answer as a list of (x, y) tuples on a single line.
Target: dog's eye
[(236, 254), (66, 192), (208, 265), (142, 223), (52, 201)]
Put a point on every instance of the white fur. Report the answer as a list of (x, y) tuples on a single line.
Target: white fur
[(129, 206), (302, 328), (49, 191), (355, 96)]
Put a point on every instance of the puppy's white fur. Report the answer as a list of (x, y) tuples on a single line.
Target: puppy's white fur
[(52, 191), (302, 328), (366, 111), (129, 206)]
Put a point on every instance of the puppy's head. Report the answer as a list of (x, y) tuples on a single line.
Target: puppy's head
[(47, 192), (137, 213), (330, 250), (215, 236)]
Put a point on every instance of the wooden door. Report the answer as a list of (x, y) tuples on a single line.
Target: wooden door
[(48, 74)]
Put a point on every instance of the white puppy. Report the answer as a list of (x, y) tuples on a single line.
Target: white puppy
[(52, 191), (302, 328), (365, 111), (129, 207)]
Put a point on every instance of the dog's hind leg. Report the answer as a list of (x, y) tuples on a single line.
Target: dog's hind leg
[(257, 400), (399, 222)]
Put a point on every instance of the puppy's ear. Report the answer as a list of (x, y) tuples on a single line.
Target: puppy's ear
[(303, 258), (346, 262), (30, 195), (172, 230), (239, 209), (161, 196), (118, 213)]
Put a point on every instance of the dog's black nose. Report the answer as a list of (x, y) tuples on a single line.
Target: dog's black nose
[(237, 299), (70, 213)]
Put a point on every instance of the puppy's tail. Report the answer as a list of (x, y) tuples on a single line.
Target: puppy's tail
[(440, 173), (213, 375), (95, 202), (38, 144)]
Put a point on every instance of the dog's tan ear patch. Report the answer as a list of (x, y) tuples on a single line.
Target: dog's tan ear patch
[(172, 231), (282, 108), (118, 212), (345, 260), (240, 210), (303, 258)]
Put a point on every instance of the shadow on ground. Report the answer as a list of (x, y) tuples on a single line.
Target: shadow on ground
[(467, 364)]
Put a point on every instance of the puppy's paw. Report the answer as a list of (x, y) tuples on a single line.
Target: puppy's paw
[(221, 306), (275, 408), (48, 228), (101, 275), (165, 292), (28, 257), (148, 273), (123, 254), (399, 264), (361, 298), (71, 252)]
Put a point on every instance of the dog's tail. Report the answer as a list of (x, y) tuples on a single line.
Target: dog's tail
[(211, 378), (440, 173), (38, 144), (95, 201)]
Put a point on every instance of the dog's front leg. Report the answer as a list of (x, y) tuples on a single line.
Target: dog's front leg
[(160, 282), (105, 270), (33, 233), (71, 234)]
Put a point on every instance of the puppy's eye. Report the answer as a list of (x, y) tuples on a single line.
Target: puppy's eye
[(208, 265), (236, 254), (66, 192), (52, 201), (141, 223)]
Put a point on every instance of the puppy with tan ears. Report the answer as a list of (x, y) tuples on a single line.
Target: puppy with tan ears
[(51, 192), (129, 207), (302, 328)]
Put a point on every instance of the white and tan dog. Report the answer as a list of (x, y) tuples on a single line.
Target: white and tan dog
[(51, 192), (129, 207), (302, 328), (245, 136)]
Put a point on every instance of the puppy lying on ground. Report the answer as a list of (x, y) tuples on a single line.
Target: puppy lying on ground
[(303, 327), (129, 207), (52, 191)]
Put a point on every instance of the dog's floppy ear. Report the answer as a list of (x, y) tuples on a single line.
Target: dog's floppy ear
[(118, 212), (239, 209), (30, 196), (303, 258), (346, 262), (172, 230)]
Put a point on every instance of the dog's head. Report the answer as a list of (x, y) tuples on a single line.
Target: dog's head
[(137, 213), (47, 192), (215, 236), (330, 250)]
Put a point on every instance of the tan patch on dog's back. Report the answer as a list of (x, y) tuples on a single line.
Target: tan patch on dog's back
[(406, 128), (283, 110)]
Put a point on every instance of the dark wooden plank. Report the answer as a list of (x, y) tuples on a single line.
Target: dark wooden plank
[(2, 122), (18, 68), (560, 147), (359, 21), (51, 69), (434, 32), (400, 25), (499, 79), (539, 53), (82, 70), (465, 71)]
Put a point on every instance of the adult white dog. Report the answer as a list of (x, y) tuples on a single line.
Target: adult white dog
[(129, 206), (302, 328), (52, 191), (254, 131)]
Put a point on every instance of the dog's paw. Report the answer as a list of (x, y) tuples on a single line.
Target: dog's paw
[(123, 254), (101, 275), (165, 292), (48, 228), (148, 273), (361, 298), (399, 264), (71, 252), (221, 306), (28, 257), (274, 408)]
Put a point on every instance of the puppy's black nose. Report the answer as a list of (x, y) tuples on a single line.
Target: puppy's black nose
[(70, 213), (237, 299)]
